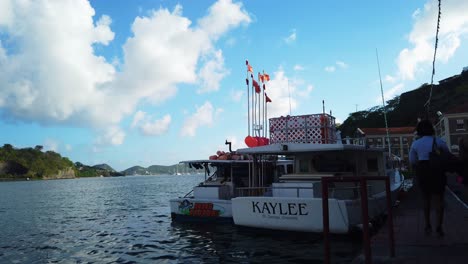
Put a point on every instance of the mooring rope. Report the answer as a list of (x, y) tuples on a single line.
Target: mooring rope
[(428, 103)]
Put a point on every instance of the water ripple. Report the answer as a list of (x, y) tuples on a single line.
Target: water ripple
[(126, 220)]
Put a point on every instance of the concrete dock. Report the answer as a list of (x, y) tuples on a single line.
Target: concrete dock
[(412, 245)]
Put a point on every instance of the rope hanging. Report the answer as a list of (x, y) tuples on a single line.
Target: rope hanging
[(428, 103)]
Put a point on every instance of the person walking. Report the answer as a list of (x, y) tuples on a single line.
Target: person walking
[(431, 181)]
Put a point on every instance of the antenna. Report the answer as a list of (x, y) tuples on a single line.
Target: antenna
[(383, 103)]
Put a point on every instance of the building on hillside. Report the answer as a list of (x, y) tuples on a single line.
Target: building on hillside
[(401, 139), (452, 126)]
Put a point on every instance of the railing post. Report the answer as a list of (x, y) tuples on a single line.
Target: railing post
[(326, 223), (365, 221), (390, 218)]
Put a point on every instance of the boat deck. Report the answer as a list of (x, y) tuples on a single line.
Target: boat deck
[(412, 245)]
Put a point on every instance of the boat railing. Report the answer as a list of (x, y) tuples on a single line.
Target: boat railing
[(340, 192)]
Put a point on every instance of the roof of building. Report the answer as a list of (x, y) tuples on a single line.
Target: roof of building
[(391, 130), (458, 109)]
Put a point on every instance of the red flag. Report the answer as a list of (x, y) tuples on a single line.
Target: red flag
[(249, 68), (267, 99), (266, 77), (257, 87), (260, 77)]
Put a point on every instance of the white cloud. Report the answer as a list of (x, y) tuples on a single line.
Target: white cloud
[(212, 73), (230, 42), (158, 127), (148, 127), (222, 16), (291, 38), (68, 147), (298, 67), (330, 68), (53, 75), (236, 95), (342, 64), (453, 25), (204, 116), (113, 135), (390, 79), (51, 144), (390, 93), (278, 89)]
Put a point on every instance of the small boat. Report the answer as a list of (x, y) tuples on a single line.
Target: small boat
[(293, 201)]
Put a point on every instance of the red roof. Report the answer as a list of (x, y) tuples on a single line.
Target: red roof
[(391, 130)]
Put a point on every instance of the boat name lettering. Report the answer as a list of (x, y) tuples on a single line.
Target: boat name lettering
[(279, 208)]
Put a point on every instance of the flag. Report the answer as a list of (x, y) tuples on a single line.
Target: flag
[(266, 77), (260, 77), (264, 87), (249, 68), (247, 81), (246, 62), (267, 99), (257, 87)]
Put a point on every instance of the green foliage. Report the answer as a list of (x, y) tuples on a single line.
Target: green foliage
[(405, 109), (31, 162)]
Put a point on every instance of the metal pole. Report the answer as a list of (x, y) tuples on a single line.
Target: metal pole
[(365, 222), (390, 218), (326, 221)]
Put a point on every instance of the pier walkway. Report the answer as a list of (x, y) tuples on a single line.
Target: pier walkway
[(412, 245)]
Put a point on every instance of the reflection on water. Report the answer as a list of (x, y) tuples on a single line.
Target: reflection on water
[(127, 220)]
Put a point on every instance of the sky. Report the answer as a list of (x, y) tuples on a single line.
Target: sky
[(147, 82)]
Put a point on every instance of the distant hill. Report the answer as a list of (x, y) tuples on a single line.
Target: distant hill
[(33, 163), (158, 170), (403, 110), (96, 170), (104, 167)]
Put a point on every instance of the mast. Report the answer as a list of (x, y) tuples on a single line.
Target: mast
[(384, 107)]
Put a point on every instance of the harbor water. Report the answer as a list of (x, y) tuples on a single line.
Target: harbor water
[(127, 220)]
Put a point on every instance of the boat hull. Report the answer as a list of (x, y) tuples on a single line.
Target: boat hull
[(289, 213), (305, 214), (201, 210)]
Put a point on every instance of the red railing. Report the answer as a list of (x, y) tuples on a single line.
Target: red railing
[(364, 212)]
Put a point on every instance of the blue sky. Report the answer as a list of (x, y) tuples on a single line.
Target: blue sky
[(154, 82)]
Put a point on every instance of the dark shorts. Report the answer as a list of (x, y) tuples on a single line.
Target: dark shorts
[(430, 180)]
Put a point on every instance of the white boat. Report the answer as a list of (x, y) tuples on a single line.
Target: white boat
[(211, 199), (294, 200)]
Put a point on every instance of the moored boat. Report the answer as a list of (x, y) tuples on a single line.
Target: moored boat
[(211, 199), (294, 201)]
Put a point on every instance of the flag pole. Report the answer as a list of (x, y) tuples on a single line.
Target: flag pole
[(248, 98)]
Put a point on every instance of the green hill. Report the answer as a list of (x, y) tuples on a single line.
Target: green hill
[(34, 163), (405, 109)]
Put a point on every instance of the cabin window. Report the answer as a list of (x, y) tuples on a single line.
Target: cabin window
[(379, 140), (372, 165), (303, 166), (371, 140)]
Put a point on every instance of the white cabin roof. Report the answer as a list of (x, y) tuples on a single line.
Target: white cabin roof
[(292, 148)]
